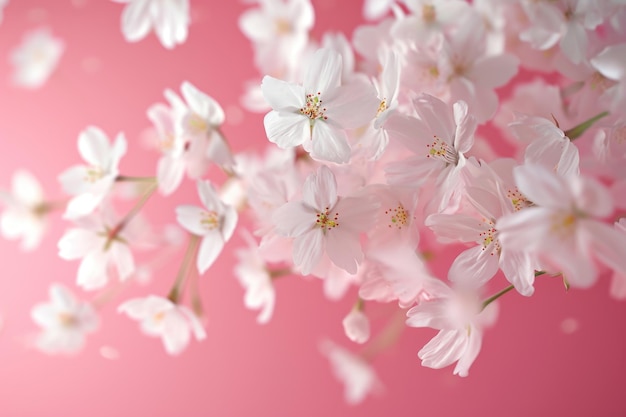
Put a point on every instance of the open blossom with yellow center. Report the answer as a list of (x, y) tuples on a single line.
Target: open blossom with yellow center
[(564, 228), (323, 222), (215, 223)]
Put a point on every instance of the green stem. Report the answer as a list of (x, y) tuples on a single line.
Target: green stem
[(504, 291), (496, 296), (577, 131), (124, 178), (175, 292)]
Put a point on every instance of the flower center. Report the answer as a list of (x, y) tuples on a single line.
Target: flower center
[(489, 237), (563, 224), (382, 107), (282, 26), (517, 199), (66, 319), (399, 217), (429, 14), (94, 174), (196, 124), (327, 220), (441, 150), (209, 220), (313, 108)]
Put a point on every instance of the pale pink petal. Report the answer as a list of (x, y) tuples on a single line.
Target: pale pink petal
[(210, 248), (293, 219), (195, 324), (92, 272), (493, 71), (136, 20), (608, 243), (436, 115), (26, 188), (76, 243), (324, 72), (170, 172), (329, 144), (593, 197), (611, 62), (444, 349), (344, 249), (94, 147), (525, 230), (307, 250), (287, 129), (618, 286), (474, 266), (471, 352), (352, 105), (465, 127), (320, 189), (458, 227), (574, 42), (190, 218), (356, 326), (282, 95), (202, 104), (542, 187), (175, 333), (122, 258), (518, 270)]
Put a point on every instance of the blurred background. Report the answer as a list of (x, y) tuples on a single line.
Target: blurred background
[(555, 353)]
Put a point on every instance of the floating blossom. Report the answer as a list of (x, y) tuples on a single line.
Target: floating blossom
[(323, 222), (254, 276), (91, 183), (189, 136), (64, 320), (101, 247), (564, 228), (160, 317), (3, 4), (25, 215), (168, 18), (357, 376), (36, 58), (460, 318), (316, 113), (215, 223), (356, 325)]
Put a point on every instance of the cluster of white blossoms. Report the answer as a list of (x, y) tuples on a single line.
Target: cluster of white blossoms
[(372, 141)]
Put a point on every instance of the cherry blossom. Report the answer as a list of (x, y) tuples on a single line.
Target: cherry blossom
[(314, 114), (564, 228), (36, 58), (356, 325), (460, 319), (25, 215), (160, 317), (168, 18), (65, 321), (89, 184), (101, 246), (215, 223), (323, 222), (254, 275), (358, 377)]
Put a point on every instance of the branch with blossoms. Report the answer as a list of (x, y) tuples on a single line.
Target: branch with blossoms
[(374, 145)]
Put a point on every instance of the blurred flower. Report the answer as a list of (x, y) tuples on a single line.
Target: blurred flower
[(168, 18), (357, 376), (215, 223), (64, 320), (26, 210), (91, 183), (36, 58), (160, 317), (356, 326)]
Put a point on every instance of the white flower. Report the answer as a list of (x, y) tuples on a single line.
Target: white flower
[(25, 214), (91, 183), (36, 58), (100, 247), (64, 320), (316, 113), (169, 19), (358, 376), (356, 326), (215, 222), (252, 272), (160, 317)]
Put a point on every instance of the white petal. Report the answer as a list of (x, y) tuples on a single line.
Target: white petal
[(202, 104), (611, 62), (282, 95), (94, 146), (190, 218), (287, 129), (307, 250), (320, 189), (324, 72), (136, 20), (26, 188), (210, 248), (170, 172), (329, 144)]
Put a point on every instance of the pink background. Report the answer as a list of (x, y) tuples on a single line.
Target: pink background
[(528, 364)]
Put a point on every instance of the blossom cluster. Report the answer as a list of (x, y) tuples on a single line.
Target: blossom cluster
[(374, 146)]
